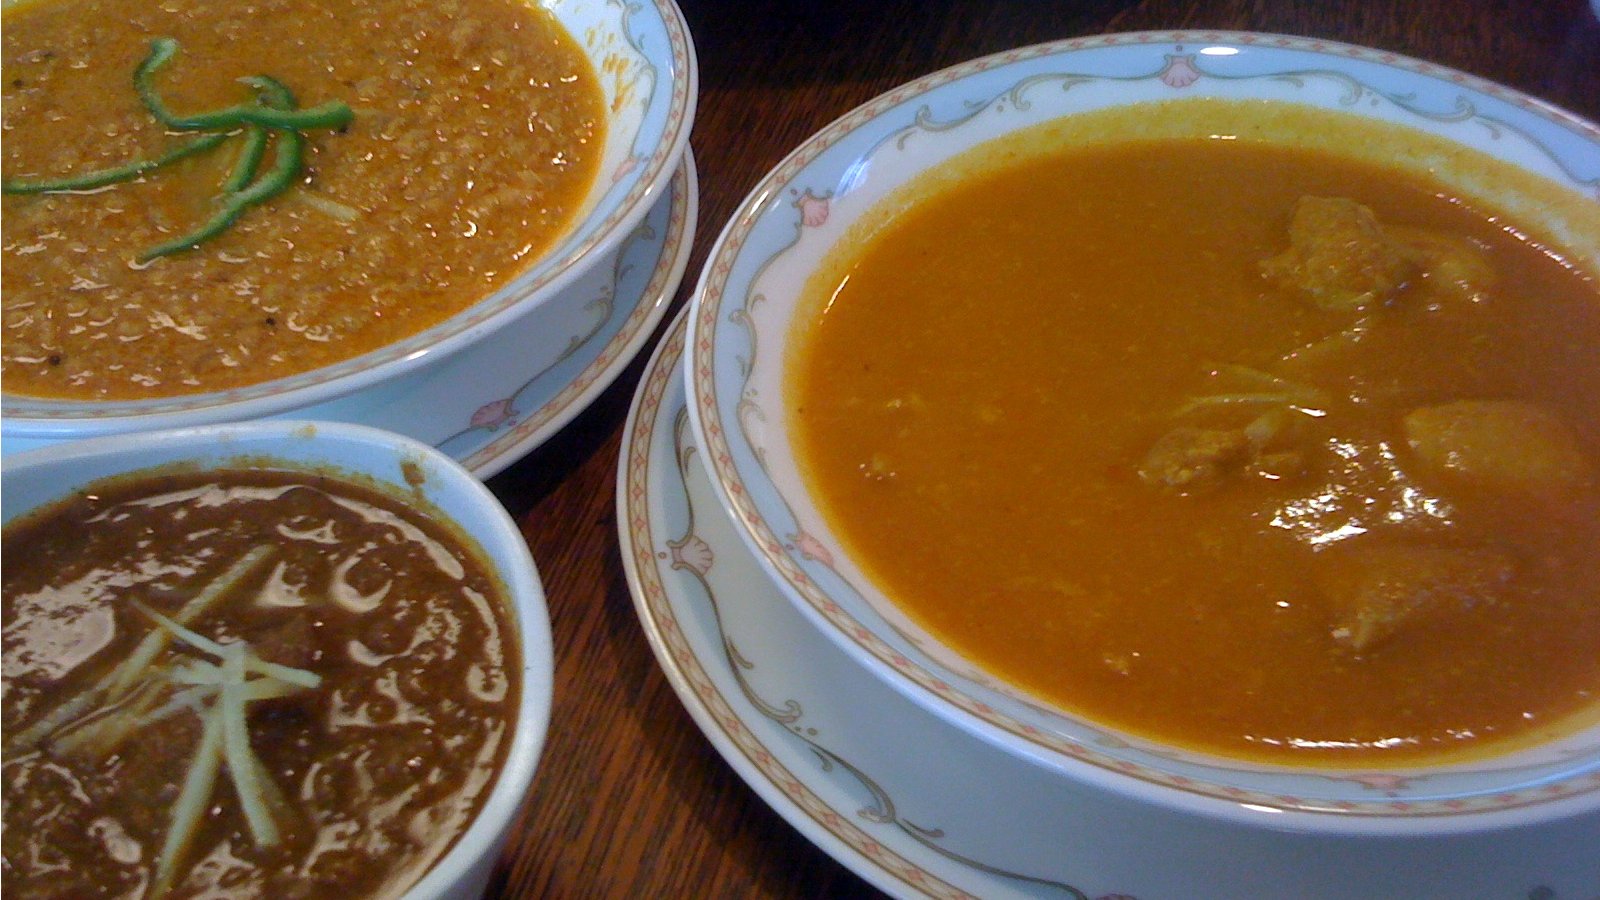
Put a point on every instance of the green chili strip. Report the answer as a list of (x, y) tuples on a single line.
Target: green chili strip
[(250, 156), (116, 174), (276, 95), (286, 165), (273, 116), (333, 114)]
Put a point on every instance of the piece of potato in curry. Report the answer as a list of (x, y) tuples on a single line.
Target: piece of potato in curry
[(1506, 446)]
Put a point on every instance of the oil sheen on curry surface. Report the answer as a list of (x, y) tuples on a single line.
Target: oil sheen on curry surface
[(245, 684), (1243, 446), (475, 134)]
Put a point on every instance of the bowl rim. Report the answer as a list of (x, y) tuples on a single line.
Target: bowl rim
[(652, 160), (491, 533), (718, 432)]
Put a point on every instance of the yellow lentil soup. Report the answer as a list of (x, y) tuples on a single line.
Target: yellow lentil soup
[(473, 136)]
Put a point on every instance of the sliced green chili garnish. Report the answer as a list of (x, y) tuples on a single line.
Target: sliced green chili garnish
[(286, 165), (251, 152), (273, 117), (99, 178), (276, 95), (239, 192), (333, 114)]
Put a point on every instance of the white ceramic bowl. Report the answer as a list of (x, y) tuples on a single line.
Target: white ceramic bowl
[(747, 299), (650, 86), (412, 473)]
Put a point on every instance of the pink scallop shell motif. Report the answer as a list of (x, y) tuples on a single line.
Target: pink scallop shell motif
[(813, 209), (1180, 71), (692, 553), (493, 414)]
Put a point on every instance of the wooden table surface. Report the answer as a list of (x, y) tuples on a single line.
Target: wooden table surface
[(631, 800)]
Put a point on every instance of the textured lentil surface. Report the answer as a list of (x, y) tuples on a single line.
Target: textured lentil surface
[(476, 136)]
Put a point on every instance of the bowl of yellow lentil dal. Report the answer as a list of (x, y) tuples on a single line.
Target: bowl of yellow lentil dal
[(220, 212)]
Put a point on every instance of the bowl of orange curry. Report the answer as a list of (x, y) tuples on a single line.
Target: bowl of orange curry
[(1213, 420), (264, 659), (217, 212)]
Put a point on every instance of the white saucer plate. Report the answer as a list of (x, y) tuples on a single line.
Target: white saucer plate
[(506, 395), (919, 808)]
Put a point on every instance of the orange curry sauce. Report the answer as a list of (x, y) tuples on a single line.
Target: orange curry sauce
[(979, 409)]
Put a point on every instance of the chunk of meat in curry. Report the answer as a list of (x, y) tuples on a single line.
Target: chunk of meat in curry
[(1190, 458), (1187, 458), (1340, 258), (1453, 267), (1378, 589)]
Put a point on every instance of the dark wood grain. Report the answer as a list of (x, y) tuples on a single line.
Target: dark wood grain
[(631, 800)]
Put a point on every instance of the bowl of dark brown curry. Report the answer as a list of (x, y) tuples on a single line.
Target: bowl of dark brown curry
[(271, 660), (219, 212), (1210, 419)]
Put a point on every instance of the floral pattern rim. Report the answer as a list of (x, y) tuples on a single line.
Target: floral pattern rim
[(523, 435), (722, 417), (644, 173)]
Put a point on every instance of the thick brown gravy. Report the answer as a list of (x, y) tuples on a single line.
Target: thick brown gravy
[(377, 690)]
